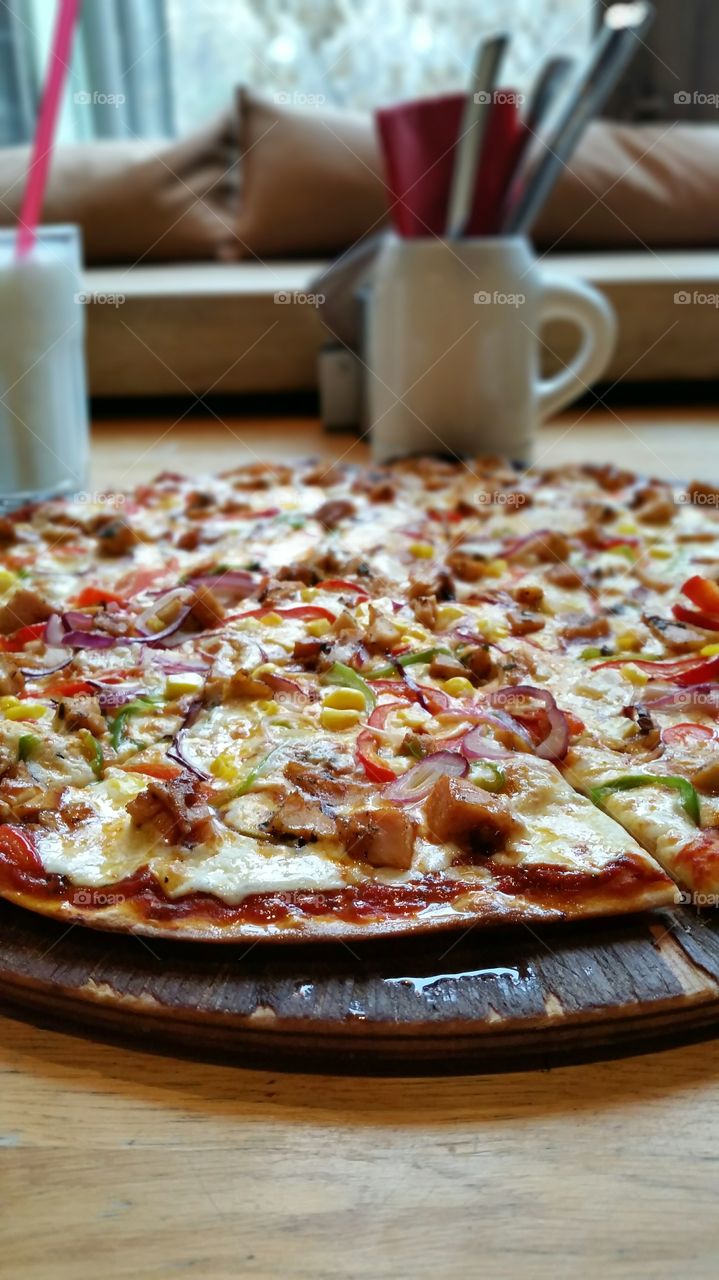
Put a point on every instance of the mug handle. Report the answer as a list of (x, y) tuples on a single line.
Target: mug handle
[(577, 301)]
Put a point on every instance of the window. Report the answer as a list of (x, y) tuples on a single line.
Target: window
[(356, 54)]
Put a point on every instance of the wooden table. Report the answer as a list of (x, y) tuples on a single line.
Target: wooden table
[(117, 1164)]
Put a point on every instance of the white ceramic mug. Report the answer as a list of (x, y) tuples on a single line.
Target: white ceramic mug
[(452, 346)]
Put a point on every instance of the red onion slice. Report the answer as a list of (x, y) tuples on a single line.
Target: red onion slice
[(556, 743), (419, 780), (176, 750), (238, 584), (37, 673), (101, 640), (525, 542), (698, 697)]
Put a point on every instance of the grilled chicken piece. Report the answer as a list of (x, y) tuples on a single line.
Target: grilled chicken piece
[(478, 821), (443, 667), (706, 780), (676, 635), (466, 567), (480, 662), (325, 786), (383, 837), (331, 513), (585, 626), (8, 532), (528, 597), (206, 608), (301, 819), (178, 810), (114, 536), (381, 634), (82, 712), (22, 798), (523, 623), (11, 678), (23, 609)]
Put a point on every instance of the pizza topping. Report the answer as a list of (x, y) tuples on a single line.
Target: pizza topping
[(676, 635), (687, 793), (26, 609), (383, 837), (525, 701), (585, 626), (417, 783), (114, 536), (706, 780), (177, 809), (545, 544), (477, 820), (523, 623), (298, 818), (82, 712), (331, 513)]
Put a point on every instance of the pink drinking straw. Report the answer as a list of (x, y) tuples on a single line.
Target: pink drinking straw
[(44, 140)]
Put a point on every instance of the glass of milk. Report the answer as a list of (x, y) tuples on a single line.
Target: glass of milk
[(44, 439)]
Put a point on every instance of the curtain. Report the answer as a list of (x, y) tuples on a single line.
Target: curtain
[(120, 83)]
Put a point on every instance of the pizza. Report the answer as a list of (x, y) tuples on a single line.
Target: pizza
[(324, 702)]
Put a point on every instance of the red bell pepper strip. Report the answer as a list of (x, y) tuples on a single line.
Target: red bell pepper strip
[(307, 612), (702, 592), (90, 596), (17, 641), (166, 771), (343, 584), (17, 849), (695, 618), (67, 688), (374, 767)]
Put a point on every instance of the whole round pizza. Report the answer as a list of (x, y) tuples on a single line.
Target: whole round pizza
[(313, 702)]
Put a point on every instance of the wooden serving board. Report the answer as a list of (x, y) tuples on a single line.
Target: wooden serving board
[(490, 1000)]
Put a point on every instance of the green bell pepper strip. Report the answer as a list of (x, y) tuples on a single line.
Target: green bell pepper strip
[(27, 746), (241, 788), (343, 675), (494, 778), (120, 722), (688, 794), (409, 660)]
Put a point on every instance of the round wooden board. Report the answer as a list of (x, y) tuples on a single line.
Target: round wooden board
[(489, 1000)]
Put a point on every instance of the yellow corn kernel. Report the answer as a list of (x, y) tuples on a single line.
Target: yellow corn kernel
[(421, 550), (709, 651), (25, 711), (492, 630), (224, 767), (309, 593), (345, 700), (632, 673), (629, 642), (183, 682), (7, 579), (495, 568), (319, 627), (334, 719), (412, 716), (448, 613), (264, 669), (269, 707), (458, 687), (661, 553), (271, 620), (413, 633), (8, 700), (626, 526)]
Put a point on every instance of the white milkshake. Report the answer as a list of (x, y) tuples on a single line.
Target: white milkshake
[(43, 393)]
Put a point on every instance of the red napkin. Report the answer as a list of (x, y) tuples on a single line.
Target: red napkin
[(418, 140)]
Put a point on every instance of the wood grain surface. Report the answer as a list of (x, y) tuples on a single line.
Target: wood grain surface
[(120, 1164)]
